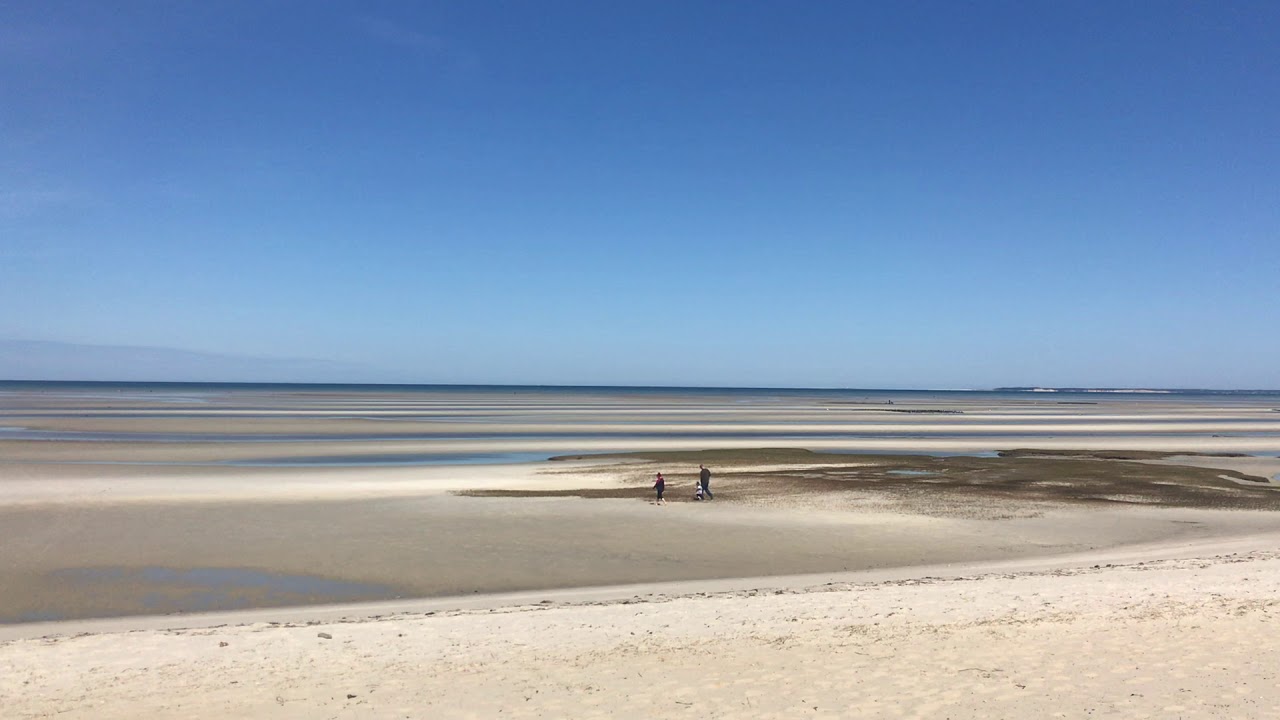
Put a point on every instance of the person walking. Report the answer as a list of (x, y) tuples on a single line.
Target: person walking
[(704, 477), (659, 486)]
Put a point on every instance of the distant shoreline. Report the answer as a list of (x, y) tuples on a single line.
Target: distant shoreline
[(1136, 391), (480, 387)]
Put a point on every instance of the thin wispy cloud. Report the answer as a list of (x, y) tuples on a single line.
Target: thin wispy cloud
[(16, 252), (398, 34), (33, 42), (20, 204), (59, 41)]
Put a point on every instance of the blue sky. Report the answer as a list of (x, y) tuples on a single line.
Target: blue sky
[(897, 194)]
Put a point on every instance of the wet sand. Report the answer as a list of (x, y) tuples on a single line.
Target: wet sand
[(115, 544), (70, 562), (317, 427)]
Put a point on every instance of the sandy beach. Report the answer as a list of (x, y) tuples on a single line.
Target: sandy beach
[(1181, 633), (830, 576)]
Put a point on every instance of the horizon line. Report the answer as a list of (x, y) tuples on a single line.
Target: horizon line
[(1014, 388)]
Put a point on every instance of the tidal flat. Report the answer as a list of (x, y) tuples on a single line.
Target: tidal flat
[(146, 501)]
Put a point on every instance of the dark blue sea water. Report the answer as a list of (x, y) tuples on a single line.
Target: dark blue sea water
[(195, 390)]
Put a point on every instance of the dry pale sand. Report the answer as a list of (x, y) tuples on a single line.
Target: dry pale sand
[(1185, 631)]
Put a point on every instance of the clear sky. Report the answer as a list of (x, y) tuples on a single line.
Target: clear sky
[(855, 194)]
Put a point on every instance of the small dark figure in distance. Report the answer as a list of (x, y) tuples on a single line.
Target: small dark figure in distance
[(659, 486), (704, 477)]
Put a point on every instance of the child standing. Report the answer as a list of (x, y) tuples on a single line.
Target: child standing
[(697, 491), (659, 485)]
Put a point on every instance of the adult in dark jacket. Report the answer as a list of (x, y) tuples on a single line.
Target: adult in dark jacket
[(704, 477)]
